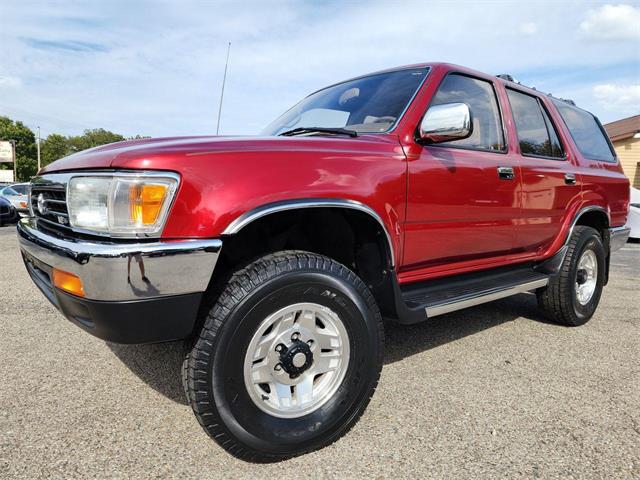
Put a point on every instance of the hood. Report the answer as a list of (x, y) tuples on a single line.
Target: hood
[(136, 153)]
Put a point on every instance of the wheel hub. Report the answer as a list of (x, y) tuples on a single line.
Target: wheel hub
[(581, 278), (586, 277), (296, 358)]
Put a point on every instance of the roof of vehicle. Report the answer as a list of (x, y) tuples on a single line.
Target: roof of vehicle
[(623, 128)]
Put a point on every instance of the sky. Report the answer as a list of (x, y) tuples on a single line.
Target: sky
[(156, 68)]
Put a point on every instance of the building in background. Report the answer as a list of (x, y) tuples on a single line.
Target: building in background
[(625, 136)]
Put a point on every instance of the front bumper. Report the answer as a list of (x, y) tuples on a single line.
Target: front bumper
[(134, 292)]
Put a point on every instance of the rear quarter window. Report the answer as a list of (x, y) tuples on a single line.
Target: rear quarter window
[(586, 131)]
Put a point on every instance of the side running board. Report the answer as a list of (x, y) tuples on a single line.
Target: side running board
[(450, 294)]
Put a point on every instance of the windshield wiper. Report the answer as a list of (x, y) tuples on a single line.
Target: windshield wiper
[(302, 130)]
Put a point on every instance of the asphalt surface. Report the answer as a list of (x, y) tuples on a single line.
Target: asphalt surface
[(490, 392)]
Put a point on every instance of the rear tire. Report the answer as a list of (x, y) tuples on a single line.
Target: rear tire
[(225, 365), (572, 296)]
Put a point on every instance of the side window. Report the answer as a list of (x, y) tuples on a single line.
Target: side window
[(536, 133), (481, 99), (586, 132)]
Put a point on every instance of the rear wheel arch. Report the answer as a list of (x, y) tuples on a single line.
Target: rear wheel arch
[(595, 217)]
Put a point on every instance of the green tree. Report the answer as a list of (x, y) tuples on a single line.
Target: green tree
[(55, 146), (93, 138), (26, 168), (26, 164)]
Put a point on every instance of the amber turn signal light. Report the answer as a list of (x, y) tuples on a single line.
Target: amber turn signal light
[(68, 282), (146, 202)]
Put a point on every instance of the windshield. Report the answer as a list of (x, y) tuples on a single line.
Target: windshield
[(370, 104)]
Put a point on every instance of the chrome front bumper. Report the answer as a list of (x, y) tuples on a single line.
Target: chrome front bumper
[(123, 271)]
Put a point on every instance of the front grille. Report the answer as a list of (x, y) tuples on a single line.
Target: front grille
[(49, 205)]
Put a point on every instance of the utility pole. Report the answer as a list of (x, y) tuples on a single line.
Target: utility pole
[(15, 168), (38, 145), (224, 79)]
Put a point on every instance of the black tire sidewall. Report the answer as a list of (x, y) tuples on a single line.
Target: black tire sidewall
[(281, 436), (589, 241)]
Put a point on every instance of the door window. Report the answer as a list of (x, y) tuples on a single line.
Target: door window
[(536, 134), (479, 95)]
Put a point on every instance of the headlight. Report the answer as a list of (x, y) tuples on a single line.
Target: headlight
[(121, 204)]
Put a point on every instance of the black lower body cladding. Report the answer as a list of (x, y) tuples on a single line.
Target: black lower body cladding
[(135, 321)]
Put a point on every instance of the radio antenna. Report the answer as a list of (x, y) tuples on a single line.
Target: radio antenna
[(224, 79)]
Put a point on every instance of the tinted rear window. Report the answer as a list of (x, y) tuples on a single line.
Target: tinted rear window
[(586, 132)]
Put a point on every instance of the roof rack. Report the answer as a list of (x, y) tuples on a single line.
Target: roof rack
[(566, 100), (509, 78)]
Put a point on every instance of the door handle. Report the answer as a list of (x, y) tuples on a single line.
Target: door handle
[(569, 179), (506, 173)]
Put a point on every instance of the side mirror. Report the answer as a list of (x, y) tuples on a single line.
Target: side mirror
[(443, 123)]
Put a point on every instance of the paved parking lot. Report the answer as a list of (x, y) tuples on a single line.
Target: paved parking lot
[(490, 392)]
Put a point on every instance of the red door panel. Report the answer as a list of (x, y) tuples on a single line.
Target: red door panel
[(550, 180), (458, 208), (545, 198)]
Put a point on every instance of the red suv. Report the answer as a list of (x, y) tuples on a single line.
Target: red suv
[(399, 195)]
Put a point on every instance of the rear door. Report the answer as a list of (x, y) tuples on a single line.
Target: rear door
[(550, 180), (460, 208)]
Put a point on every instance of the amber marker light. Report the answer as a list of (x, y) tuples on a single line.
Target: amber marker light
[(68, 282), (146, 203)]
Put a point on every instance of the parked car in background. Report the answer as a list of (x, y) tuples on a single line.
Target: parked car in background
[(21, 188), (404, 195), (634, 214), (8, 213), (20, 201)]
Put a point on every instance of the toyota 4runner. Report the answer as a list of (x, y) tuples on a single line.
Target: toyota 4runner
[(400, 195)]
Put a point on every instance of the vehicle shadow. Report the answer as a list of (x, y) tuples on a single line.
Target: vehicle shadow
[(159, 365)]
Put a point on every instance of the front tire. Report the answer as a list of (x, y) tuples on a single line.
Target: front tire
[(288, 358), (572, 296)]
